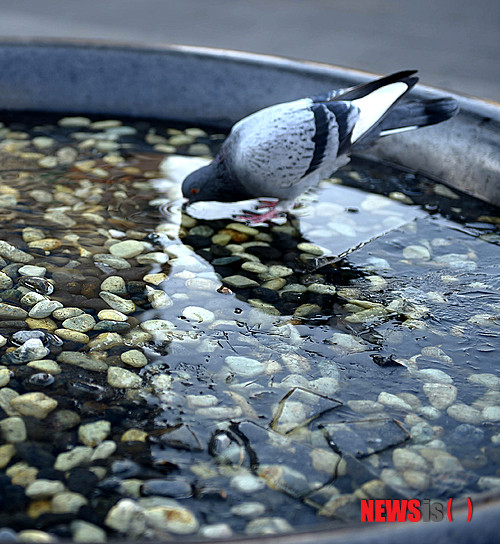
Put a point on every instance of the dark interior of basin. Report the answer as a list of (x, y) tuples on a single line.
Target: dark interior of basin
[(188, 375)]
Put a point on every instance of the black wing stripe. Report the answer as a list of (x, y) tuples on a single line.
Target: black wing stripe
[(320, 137), (342, 112)]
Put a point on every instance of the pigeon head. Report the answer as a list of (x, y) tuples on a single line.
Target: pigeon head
[(212, 182), (201, 184)]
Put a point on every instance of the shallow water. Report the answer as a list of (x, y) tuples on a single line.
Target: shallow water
[(249, 379)]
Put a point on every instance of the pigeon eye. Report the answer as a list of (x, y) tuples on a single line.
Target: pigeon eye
[(195, 191)]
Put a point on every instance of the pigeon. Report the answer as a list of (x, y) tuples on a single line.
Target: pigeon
[(281, 151)]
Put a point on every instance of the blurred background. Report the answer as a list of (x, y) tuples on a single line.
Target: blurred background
[(455, 44)]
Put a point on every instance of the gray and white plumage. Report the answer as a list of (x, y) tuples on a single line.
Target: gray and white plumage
[(282, 150)]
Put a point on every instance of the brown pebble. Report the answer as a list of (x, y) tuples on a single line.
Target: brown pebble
[(237, 237)]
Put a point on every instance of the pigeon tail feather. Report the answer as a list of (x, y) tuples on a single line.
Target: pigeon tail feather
[(415, 114)]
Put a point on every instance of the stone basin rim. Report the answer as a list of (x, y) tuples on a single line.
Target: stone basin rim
[(218, 87), (479, 118)]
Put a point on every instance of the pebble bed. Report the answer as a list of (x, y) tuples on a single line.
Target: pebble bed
[(163, 374)]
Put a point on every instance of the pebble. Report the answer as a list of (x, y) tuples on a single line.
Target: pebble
[(118, 303), (13, 429), (245, 366), (173, 519), (83, 531), (268, 526), (44, 489), (405, 459), (123, 379), (8, 251), (92, 434), (464, 413), (240, 282), (134, 357), (44, 308), (347, 343), (7, 311), (81, 323), (79, 455), (247, 483), (127, 249), (4, 376), (198, 314), (159, 299), (249, 509), (82, 360), (103, 450), (440, 395), (73, 336), (34, 404), (112, 315), (34, 535)]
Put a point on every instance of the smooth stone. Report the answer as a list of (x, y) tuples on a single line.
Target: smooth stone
[(491, 381), (307, 247), (44, 489), (111, 315), (65, 313), (321, 289), (159, 299), (32, 270), (240, 282), (113, 262), (105, 341), (44, 308), (198, 314), (92, 434), (4, 376), (247, 483), (155, 279), (440, 395), (7, 395), (174, 519), (491, 413), (245, 366), (127, 249), (34, 404), (268, 526), (82, 360), (7, 452), (79, 455), (134, 435), (104, 450), (416, 252), (249, 509), (81, 323), (5, 281), (115, 285), (123, 379), (83, 531), (417, 479), (31, 350), (47, 244), (464, 413), (134, 357), (393, 401), (405, 459), (13, 429), (347, 343), (11, 253), (72, 336), (118, 303), (154, 257), (46, 365), (435, 375), (7, 311), (365, 406)]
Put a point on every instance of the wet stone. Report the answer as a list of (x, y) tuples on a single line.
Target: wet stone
[(81, 323), (245, 366), (7, 311), (123, 379), (11, 253), (134, 357), (34, 404), (127, 249), (44, 308), (92, 434), (176, 488), (118, 303)]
